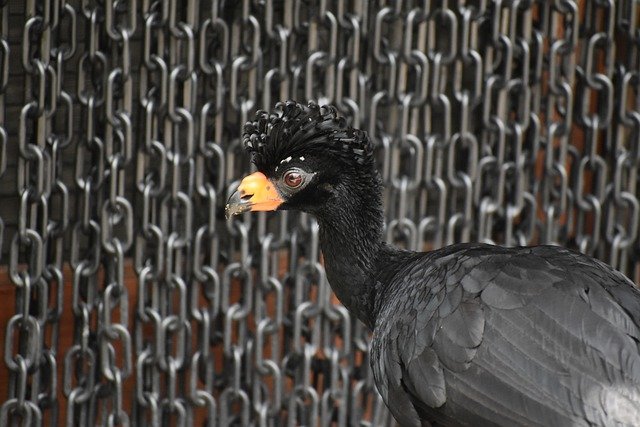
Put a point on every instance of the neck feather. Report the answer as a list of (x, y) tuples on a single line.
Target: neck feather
[(351, 242)]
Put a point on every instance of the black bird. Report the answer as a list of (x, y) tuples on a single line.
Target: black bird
[(470, 334)]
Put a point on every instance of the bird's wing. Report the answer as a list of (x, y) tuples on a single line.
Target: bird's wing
[(536, 336)]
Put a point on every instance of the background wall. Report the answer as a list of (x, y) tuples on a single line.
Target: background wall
[(125, 296)]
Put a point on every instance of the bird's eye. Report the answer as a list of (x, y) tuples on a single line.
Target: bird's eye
[(293, 179)]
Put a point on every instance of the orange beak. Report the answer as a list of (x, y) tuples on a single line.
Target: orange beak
[(255, 193)]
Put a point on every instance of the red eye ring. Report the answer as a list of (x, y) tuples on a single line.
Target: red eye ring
[(293, 179)]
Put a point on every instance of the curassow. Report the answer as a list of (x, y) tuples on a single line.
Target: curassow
[(470, 334)]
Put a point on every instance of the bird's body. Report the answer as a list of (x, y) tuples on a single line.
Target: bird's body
[(469, 334), (481, 335)]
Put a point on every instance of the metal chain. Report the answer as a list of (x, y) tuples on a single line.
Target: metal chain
[(36, 260), (509, 122), (81, 367)]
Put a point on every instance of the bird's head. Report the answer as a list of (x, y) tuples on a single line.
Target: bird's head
[(308, 159)]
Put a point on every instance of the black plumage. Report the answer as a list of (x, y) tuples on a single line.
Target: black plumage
[(476, 334), (470, 334)]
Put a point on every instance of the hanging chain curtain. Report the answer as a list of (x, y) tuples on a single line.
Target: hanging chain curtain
[(127, 298)]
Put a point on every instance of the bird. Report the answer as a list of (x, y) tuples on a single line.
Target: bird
[(470, 334)]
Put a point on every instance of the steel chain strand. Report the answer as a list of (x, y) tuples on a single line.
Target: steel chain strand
[(625, 144), (163, 247), (561, 29), (60, 134), (176, 210), (209, 189), (457, 153), (116, 29), (407, 150), (81, 362), (505, 118), (151, 183), (586, 164), (521, 204), (614, 178), (267, 387), (589, 168), (29, 361)]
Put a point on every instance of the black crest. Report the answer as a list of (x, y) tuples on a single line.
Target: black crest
[(296, 130)]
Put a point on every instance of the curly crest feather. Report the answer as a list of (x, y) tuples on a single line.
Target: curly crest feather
[(295, 130)]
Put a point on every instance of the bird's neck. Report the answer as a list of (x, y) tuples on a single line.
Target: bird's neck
[(351, 242)]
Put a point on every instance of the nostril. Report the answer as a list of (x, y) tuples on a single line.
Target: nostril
[(245, 196)]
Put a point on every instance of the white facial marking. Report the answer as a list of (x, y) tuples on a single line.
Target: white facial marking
[(301, 159), (287, 160)]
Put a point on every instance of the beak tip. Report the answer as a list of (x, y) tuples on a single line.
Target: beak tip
[(232, 209), (235, 205)]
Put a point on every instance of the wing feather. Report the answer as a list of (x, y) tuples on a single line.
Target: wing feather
[(424, 379)]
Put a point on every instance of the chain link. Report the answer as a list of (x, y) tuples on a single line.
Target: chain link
[(508, 122)]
